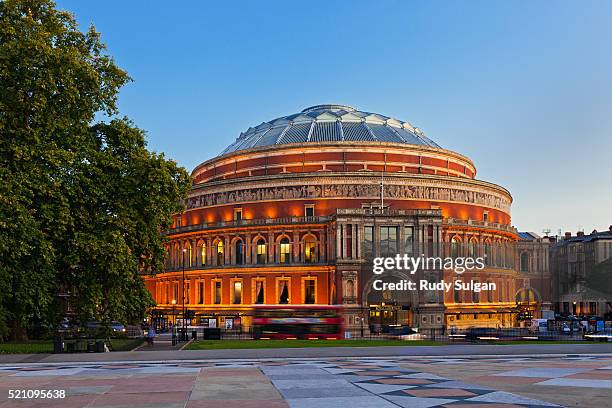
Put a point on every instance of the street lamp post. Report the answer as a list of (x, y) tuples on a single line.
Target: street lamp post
[(174, 322), (183, 336)]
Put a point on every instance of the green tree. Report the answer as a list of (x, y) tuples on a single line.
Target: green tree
[(82, 204)]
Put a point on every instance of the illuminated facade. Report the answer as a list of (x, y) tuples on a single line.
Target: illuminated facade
[(292, 212)]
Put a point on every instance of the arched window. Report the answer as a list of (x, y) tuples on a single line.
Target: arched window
[(220, 252), (456, 294), (188, 257), (285, 251), (239, 252), (525, 262), (472, 248), (261, 251), (487, 253), (310, 250), (489, 293), (455, 247), (203, 254)]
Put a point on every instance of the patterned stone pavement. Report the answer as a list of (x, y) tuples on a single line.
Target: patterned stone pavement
[(478, 382)]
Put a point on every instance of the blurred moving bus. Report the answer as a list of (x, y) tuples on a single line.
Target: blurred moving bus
[(297, 322)]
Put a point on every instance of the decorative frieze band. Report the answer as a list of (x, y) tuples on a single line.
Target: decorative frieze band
[(360, 191)]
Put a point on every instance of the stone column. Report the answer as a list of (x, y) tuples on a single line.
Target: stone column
[(271, 247), (248, 248), (226, 249), (338, 241), (295, 247), (353, 241)]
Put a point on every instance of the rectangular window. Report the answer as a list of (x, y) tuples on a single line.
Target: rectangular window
[(456, 294), (368, 242), (237, 293), (283, 291), (309, 291), (475, 294), (388, 241), (217, 286), (259, 292), (485, 216), (309, 210), (409, 241), (201, 292), (237, 214)]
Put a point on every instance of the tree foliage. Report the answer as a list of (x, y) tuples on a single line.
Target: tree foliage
[(82, 204)]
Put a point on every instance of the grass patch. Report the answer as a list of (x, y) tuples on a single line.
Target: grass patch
[(30, 347), (268, 344), (46, 346), (125, 344)]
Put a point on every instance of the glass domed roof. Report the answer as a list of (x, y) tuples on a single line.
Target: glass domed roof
[(330, 123)]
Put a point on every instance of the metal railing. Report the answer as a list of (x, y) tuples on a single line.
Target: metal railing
[(387, 211), (316, 219), (480, 224)]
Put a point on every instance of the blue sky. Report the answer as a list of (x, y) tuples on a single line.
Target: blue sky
[(523, 88)]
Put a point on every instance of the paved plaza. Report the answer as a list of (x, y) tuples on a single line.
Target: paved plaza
[(474, 382)]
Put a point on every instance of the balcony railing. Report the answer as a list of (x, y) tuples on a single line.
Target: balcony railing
[(170, 268), (388, 211), (244, 222), (479, 224)]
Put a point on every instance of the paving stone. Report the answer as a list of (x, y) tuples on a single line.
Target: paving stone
[(234, 393), (508, 398), (382, 388), (417, 402), (349, 391), (336, 402), (255, 403), (304, 383), (440, 392), (166, 398), (577, 382), (94, 389), (426, 376), (457, 384), (544, 372), (405, 381)]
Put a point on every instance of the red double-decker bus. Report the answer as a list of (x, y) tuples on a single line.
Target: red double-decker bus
[(297, 322)]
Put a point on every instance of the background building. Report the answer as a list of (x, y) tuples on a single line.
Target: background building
[(582, 270), (295, 209), (533, 262)]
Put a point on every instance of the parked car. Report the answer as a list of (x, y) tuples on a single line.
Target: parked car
[(604, 335), (482, 334), (406, 333), (115, 326)]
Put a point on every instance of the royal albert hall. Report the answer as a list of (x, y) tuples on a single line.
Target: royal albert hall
[(295, 209)]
